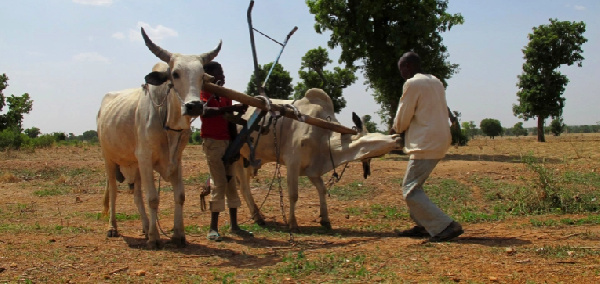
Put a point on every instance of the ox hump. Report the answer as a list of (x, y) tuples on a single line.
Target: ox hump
[(319, 97), (160, 67)]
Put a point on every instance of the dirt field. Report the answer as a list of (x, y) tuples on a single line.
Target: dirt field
[(51, 229)]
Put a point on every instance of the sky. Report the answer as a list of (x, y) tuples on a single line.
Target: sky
[(68, 53)]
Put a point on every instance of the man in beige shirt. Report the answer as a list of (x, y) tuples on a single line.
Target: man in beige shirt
[(423, 118)]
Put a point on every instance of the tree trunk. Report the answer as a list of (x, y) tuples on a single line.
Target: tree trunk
[(540, 129)]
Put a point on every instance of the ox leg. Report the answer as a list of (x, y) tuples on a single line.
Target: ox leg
[(178, 237), (153, 199), (292, 183), (138, 199), (110, 198), (322, 190), (243, 176)]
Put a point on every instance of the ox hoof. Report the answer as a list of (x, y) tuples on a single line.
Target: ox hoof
[(155, 245), (112, 233), (326, 225), (178, 242)]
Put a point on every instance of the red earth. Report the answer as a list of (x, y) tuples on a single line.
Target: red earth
[(52, 231)]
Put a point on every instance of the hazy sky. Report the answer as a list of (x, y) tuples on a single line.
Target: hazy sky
[(68, 53)]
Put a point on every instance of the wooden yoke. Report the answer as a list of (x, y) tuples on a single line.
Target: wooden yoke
[(285, 111)]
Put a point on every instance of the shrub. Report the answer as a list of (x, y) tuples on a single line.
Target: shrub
[(10, 139), (44, 141)]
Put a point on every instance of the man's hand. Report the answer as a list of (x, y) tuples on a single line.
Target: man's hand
[(240, 108)]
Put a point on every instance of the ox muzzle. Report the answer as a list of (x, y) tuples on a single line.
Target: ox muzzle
[(193, 108)]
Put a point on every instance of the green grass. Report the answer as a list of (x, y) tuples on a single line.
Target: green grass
[(54, 191), (379, 211), (297, 265), (450, 195), (49, 174), (565, 251), (542, 222), (551, 192), (118, 216), (51, 229), (556, 192), (352, 191), (199, 179), (388, 211)]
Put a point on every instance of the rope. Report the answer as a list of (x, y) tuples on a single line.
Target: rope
[(334, 177), (268, 37), (157, 219), (147, 91), (278, 174), (158, 106), (205, 191), (296, 112)]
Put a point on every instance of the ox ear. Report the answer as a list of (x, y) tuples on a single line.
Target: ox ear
[(357, 121), (157, 78)]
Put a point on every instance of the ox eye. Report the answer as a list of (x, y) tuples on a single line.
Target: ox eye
[(175, 75)]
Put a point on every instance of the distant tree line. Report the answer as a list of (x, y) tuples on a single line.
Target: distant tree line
[(492, 127)]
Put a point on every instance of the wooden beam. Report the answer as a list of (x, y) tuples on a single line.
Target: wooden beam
[(286, 111)]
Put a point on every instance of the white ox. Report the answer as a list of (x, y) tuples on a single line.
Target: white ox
[(305, 151), (143, 130)]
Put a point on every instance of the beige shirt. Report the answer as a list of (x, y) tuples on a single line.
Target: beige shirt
[(423, 116)]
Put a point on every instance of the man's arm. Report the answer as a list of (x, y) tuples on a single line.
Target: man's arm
[(406, 108), (216, 111)]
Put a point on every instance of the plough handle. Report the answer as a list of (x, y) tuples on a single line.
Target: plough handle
[(285, 111), (256, 76)]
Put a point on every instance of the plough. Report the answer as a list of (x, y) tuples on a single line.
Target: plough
[(262, 104)]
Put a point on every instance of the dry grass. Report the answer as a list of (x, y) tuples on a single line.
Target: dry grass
[(51, 229)]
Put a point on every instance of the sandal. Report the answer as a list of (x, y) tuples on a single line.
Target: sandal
[(214, 236)]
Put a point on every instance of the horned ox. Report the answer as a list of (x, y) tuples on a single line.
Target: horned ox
[(305, 151), (145, 129)]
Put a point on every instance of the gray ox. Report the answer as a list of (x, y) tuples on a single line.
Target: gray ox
[(305, 151), (145, 129)]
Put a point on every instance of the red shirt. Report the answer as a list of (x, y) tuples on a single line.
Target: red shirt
[(214, 127)]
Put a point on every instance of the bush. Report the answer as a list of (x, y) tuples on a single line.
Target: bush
[(44, 141), (10, 139), (196, 138)]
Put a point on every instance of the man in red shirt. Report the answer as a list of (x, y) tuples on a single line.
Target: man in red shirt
[(216, 133)]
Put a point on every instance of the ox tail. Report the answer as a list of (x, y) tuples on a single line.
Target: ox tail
[(366, 168)]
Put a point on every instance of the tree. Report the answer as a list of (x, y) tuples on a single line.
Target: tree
[(313, 75), (518, 129), (557, 126), (458, 136), (17, 107), (378, 32), (197, 137), (279, 85), (32, 132), (90, 135), (541, 85), (469, 129), (491, 127), (370, 125), (59, 136)]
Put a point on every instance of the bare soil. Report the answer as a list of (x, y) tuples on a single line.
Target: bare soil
[(62, 237)]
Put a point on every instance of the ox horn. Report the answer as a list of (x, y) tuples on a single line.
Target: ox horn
[(209, 56), (164, 55)]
